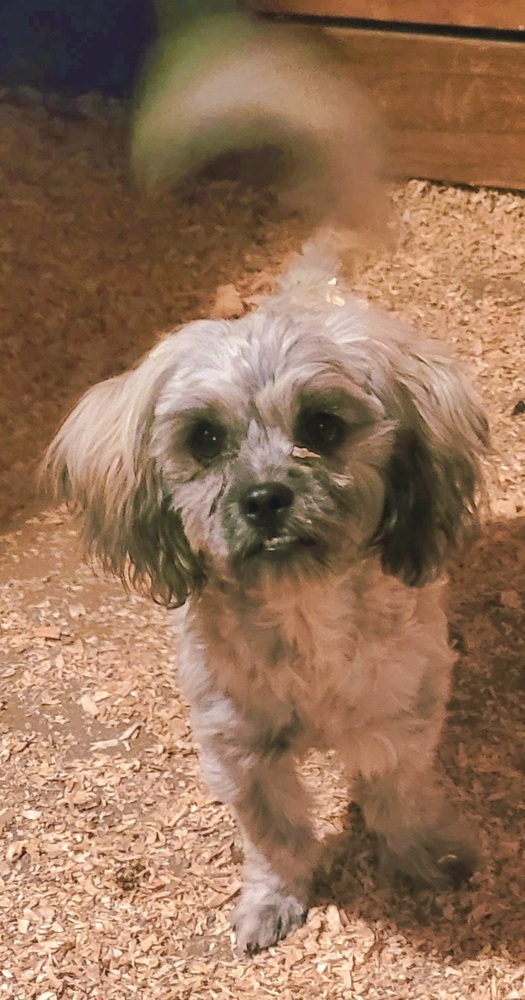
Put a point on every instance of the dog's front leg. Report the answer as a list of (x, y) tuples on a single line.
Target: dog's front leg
[(419, 831), (258, 779), (279, 854), (247, 762)]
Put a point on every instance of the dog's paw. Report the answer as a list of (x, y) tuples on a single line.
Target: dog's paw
[(433, 858), (259, 922)]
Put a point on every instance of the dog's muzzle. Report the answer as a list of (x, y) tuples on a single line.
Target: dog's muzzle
[(266, 507)]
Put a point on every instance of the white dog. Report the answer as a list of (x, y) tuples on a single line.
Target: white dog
[(297, 478)]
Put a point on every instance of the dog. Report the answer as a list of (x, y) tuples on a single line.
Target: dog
[(295, 481)]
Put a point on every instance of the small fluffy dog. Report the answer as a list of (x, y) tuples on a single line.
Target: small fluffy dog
[(296, 479)]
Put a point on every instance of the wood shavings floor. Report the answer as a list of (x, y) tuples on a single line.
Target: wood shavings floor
[(116, 871)]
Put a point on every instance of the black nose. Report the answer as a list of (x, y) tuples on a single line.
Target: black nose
[(266, 504)]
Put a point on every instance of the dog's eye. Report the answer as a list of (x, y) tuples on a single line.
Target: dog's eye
[(206, 440), (320, 431)]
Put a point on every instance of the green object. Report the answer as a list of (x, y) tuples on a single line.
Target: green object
[(179, 125), (220, 81), (172, 15)]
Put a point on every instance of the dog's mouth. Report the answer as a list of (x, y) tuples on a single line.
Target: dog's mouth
[(282, 547)]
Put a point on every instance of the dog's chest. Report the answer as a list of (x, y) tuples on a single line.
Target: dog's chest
[(337, 655), (304, 646)]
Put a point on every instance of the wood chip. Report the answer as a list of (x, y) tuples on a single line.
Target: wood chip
[(510, 599), (89, 705), (228, 303)]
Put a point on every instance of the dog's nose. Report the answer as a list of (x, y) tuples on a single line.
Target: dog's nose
[(265, 505)]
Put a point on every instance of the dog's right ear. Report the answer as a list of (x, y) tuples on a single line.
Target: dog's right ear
[(100, 463)]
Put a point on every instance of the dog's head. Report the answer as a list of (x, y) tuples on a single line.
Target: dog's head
[(294, 440)]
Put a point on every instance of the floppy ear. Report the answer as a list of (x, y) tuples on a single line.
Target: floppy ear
[(99, 462), (433, 479)]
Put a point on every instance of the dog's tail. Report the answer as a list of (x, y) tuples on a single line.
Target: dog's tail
[(225, 84), (313, 279)]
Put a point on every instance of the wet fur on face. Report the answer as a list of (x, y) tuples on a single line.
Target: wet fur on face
[(297, 480)]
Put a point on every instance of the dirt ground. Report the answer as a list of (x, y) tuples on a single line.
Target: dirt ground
[(117, 872)]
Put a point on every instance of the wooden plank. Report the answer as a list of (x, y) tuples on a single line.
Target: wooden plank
[(505, 15), (455, 107)]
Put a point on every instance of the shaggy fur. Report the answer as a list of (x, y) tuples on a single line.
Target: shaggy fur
[(296, 479)]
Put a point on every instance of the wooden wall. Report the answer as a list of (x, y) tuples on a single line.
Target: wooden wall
[(453, 100), (506, 15)]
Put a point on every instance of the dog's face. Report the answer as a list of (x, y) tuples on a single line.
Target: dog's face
[(269, 448), (290, 441)]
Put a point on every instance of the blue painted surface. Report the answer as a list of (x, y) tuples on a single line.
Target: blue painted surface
[(74, 46)]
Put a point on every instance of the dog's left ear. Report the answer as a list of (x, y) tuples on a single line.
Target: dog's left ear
[(433, 481), (100, 462)]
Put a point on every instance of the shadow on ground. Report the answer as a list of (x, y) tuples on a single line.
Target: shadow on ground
[(483, 753)]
